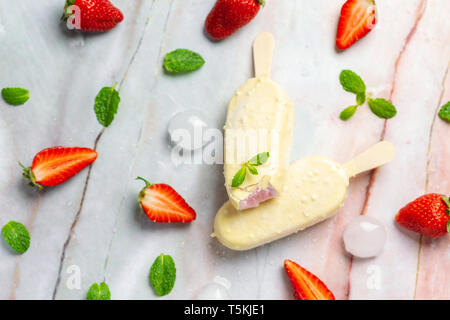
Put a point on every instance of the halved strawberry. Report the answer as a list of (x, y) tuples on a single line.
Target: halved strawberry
[(358, 17), (56, 165), (161, 203), (306, 285)]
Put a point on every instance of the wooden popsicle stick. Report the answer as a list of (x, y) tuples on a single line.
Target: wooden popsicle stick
[(381, 153), (263, 47)]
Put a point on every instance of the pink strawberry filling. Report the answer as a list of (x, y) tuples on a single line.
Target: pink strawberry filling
[(258, 196)]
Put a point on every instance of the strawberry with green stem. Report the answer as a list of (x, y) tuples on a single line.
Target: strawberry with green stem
[(95, 15), (56, 165), (161, 203), (428, 215)]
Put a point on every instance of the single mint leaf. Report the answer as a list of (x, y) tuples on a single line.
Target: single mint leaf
[(99, 292), (15, 96), (382, 108), (106, 105), (259, 159), (348, 112), (163, 274), (444, 113), (252, 169), (17, 236), (361, 98), (239, 177), (183, 60), (351, 82)]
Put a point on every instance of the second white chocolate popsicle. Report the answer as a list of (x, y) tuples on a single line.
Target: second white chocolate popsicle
[(315, 188), (260, 119)]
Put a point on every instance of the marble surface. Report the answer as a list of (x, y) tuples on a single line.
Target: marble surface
[(92, 224)]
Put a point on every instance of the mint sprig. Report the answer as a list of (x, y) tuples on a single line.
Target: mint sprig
[(250, 165), (15, 96), (17, 236), (444, 113), (163, 275), (106, 105), (352, 82), (99, 292), (183, 60)]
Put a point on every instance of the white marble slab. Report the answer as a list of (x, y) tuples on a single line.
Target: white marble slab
[(93, 222)]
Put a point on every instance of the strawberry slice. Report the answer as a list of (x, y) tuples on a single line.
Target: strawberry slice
[(56, 165), (161, 203), (306, 285), (357, 19)]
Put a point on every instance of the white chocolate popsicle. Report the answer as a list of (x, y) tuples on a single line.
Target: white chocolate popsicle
[(315, 188), (260, 119)]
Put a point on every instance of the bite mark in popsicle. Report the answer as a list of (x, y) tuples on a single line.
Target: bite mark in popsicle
[(315, 188), (260, 119)]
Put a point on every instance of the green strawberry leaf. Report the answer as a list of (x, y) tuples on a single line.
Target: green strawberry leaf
[(351, 82), (163, 275), (239, 177), (262, 2), (444, 113), (99, 292), (361, 98), (252, 169), (106, 105), (448, 226), (348, 112), (447, 201), (17, 236), (382, 108), (15, 96), (259, 159), (183, 60)]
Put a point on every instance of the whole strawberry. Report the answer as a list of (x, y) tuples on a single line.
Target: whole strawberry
[(94, 15), (428, 215), (228, 16)]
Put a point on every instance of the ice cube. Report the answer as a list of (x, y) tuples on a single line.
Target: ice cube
[(213, 291), (364, 237), (187, 128)]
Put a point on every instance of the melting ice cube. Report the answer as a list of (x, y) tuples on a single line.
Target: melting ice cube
[(364, 237), (213, 291), (187, 128), (217, 290)]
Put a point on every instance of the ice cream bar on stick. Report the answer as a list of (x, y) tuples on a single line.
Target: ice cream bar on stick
[(260, 120), (315, 188)]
